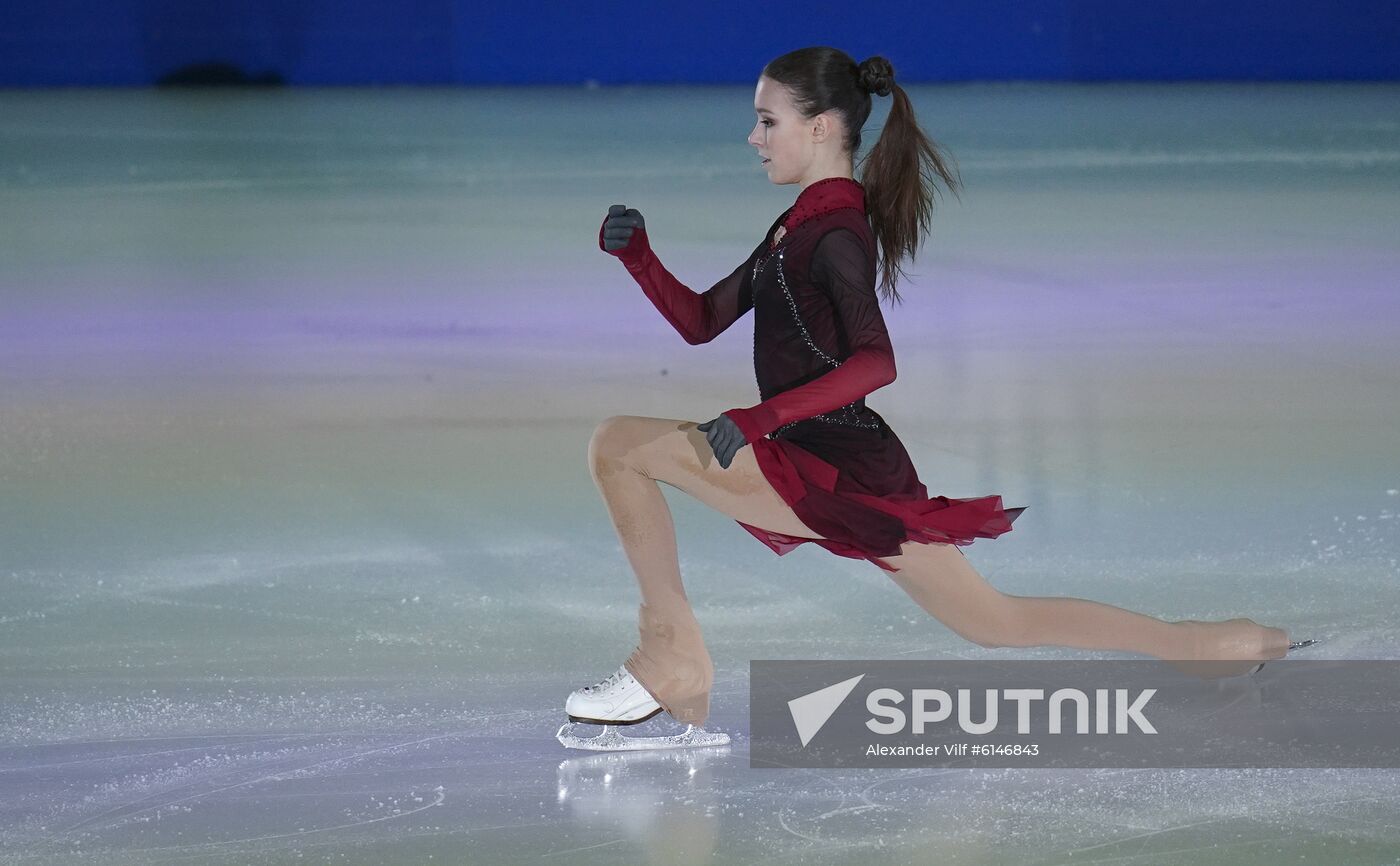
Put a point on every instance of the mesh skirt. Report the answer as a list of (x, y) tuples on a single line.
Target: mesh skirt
[(858, 489)]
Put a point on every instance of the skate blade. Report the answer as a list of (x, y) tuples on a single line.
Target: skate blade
[(1291, 647), (653, 714), (611, 741)]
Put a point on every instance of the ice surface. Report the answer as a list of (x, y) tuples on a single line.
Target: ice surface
[(299, 551)]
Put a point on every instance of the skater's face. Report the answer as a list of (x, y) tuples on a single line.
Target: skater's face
[(790, 142)]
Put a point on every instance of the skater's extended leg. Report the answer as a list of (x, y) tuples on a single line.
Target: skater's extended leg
[(629, 456), (941, 580)]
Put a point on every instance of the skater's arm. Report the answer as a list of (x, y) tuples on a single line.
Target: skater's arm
[(840, 267), (698, 318)]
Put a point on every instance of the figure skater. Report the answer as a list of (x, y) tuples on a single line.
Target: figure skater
[(811, 462)]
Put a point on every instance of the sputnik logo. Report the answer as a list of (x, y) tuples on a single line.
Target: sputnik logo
[(811, 711)]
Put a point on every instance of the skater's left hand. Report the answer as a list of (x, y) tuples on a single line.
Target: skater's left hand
[(724, 437)]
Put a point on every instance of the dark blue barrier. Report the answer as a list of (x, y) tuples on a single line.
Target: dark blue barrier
[(139, 42)]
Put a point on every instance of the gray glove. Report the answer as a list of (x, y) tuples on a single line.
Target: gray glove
[(621, 224), (725, 438)]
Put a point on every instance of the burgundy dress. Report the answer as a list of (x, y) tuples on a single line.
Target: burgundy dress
[(820, 346)]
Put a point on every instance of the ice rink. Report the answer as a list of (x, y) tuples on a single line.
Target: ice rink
[(300, 554)]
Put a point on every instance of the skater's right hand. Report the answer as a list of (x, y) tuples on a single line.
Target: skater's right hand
[(725, 438), (623, 232)]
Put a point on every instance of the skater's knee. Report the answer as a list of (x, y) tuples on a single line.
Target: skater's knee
[(996, 625), (988, 639), (610, 444)]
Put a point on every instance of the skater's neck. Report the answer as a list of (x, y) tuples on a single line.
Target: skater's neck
[(823, 196)]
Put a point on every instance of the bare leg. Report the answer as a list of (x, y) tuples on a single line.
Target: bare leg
[(671, 660), (629, 457), (941, 581)]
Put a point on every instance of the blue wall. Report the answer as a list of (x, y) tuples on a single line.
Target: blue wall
[(135, 42)]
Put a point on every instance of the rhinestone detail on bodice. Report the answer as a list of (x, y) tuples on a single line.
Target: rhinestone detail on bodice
[(849, 414)]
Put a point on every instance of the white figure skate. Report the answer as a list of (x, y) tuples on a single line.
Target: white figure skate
[(1291, 647), (620, 700)]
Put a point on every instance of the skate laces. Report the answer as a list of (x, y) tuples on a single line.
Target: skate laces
[(611, 679)]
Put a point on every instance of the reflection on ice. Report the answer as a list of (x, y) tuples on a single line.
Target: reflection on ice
[(666, 801)]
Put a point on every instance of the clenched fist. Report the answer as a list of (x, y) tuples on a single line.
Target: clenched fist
[(620, 225)]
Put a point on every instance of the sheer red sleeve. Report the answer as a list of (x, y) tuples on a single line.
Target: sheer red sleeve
[(841, 268), (698, 318)]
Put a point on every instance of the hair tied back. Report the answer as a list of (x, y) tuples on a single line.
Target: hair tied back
[(876, 75)]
